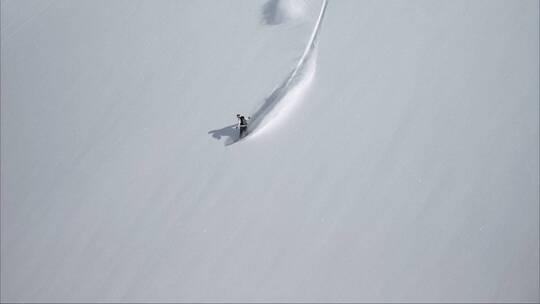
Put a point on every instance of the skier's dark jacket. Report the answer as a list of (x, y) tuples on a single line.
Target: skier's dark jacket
[(243, 121)]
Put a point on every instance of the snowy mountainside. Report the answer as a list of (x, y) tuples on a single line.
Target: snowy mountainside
[(405, 166)]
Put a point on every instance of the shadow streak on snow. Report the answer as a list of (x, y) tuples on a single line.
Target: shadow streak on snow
[(270, 14), (279, 92), (292, 79)]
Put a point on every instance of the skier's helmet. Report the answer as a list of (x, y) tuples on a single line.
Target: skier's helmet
[(238, 115)]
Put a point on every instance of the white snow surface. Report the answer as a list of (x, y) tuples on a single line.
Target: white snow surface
[(405, 169)]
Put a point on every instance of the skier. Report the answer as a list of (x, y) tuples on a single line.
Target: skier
[(242, 124)]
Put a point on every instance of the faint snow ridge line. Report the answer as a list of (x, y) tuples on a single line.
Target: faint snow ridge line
[(278, 93)]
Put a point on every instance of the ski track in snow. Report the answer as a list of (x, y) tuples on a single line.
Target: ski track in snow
[(109, 193), (286, 96)]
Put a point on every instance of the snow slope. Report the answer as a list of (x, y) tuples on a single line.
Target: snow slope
[(291, 91), (407, 169)]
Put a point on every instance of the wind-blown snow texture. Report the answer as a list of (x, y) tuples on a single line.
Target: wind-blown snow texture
[(408, 170)]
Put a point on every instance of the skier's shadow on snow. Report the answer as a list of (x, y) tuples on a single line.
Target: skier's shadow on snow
[(229, 132)]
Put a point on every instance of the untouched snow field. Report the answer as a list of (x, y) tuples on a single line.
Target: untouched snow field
[(399, 163)]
